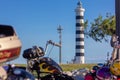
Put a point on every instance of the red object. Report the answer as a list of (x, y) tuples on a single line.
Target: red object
[(118, 78), (10, 54), (88, 76)]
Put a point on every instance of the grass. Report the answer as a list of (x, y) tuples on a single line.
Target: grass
[(69, 67)]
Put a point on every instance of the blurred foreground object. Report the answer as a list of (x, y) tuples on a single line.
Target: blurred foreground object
[(10, 44), (115, 68), (3, 74)]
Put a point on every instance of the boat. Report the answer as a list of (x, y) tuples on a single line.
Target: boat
[(10, 44)]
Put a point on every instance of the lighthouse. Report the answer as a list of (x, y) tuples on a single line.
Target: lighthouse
[(79, 46)]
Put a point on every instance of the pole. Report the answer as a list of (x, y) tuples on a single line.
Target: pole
[(60, 42), (117, 14)]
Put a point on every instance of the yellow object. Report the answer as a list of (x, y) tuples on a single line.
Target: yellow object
[(49, 66), (115, 68), (46, 68)]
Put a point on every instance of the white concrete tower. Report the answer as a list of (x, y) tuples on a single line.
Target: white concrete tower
[(79, 55)]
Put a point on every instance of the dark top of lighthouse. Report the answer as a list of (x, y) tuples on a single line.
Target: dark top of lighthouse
[(79, 7), (79, 4)]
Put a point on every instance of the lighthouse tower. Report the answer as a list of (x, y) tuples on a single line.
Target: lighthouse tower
[(79, 55)]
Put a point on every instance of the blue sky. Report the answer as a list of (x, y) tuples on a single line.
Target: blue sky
[(36, 21)]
